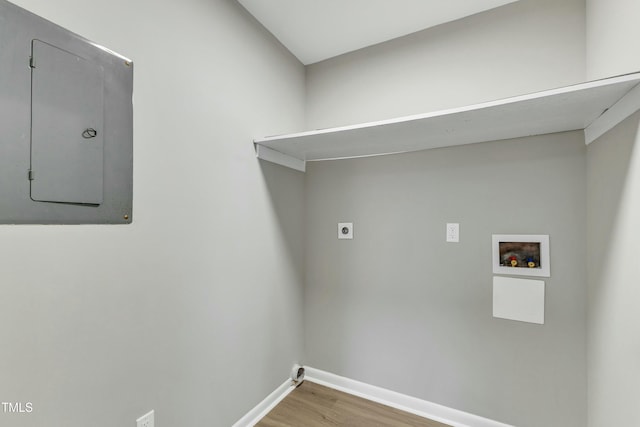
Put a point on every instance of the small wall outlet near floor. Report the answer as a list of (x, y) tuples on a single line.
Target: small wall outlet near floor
[(146, 420)]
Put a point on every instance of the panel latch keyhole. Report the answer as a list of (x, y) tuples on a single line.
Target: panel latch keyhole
[(89, 133)]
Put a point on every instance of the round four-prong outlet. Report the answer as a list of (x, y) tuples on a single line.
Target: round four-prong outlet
[(345, 230)]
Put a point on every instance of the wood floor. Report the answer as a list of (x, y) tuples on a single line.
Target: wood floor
[(312, 405)]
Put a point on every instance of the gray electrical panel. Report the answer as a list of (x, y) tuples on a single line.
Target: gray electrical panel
[(66, 126)]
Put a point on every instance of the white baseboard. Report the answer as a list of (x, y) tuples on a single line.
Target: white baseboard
[(423, 408), (264, 407)]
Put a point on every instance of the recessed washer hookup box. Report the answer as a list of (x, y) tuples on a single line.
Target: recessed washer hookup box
[(66, 125)]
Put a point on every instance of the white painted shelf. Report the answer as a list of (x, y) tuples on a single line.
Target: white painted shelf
[(595, 106)]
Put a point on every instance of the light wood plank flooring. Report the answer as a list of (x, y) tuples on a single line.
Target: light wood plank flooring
[(313, 405)]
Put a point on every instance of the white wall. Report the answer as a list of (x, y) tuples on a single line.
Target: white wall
[(614, 319), (613, 41), (612, 37), (196, 300), (515, 49), (398, 307)]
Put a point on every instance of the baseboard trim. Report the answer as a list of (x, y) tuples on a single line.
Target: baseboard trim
[(264, 407), (423, 408)]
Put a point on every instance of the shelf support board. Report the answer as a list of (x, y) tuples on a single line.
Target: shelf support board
[(626, 106), (279, 158)]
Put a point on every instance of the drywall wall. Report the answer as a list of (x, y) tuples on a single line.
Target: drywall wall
[(201, 296), (612, 37), (614, 321), (523, 47), (400, 308), (613, 176)]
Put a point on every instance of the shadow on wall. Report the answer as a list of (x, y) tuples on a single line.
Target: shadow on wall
[(613, 319), (613, 162), (286, 192)]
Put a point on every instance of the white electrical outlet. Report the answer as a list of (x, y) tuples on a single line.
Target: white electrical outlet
[(345, 230), (453, 232), (145, 420)]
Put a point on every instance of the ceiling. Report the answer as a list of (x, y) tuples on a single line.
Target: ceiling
[(314, 30)]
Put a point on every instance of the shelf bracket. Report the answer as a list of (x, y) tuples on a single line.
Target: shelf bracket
[(277, 157), (626, 106)]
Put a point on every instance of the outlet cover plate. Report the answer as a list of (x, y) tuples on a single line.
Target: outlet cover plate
[(453, 232), (146, 420), (345, 230)]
